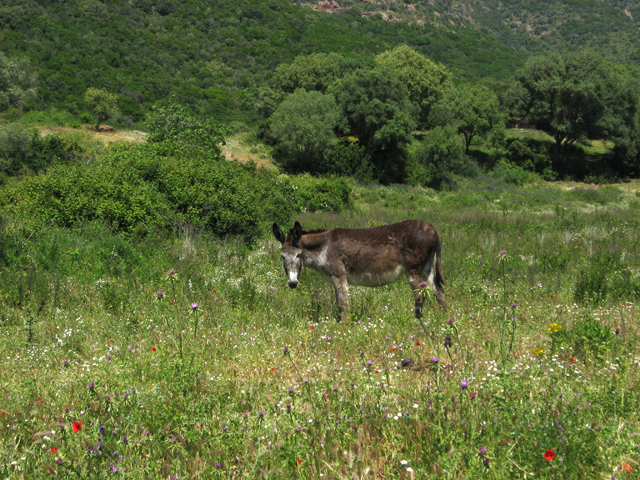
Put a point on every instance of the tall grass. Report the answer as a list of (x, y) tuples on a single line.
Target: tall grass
[(107, 369)]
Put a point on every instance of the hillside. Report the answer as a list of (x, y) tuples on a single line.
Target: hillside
[(214, 56), (611, 27)]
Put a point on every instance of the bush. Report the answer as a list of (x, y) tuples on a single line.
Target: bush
[(141, 188), (510, 173), (441, 156)]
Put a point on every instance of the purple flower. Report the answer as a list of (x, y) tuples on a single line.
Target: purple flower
[(159, 293), (107, 398), (92, 385), (447, 341), (503, 252), (171, 273), (286, 349), (617, 331), (114, 469), (291, 389), (435, 360), (299, 428), (514, 305), (102, 430), (218, 465), (417, 311), (464, 384), (451, 321), (369, 362), (224, 429), (423, 284), (482, 451), (261, 414), (194, 306), (486, 462), (66, 363)]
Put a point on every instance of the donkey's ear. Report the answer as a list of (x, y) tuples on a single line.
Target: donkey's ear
[(278, 233), (297, 234)]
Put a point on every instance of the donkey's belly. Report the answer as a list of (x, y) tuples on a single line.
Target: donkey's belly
[(375, 279)]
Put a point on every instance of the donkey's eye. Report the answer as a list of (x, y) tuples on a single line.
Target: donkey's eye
[(298, 255)]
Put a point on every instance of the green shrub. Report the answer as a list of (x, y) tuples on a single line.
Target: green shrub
[(513, 174)]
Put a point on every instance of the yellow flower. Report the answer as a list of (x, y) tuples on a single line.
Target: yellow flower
[(538, 351), (553, 328)]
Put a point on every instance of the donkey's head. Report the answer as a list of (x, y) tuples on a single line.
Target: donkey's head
[(291, 252)]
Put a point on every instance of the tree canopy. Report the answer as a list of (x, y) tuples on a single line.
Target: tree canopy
[(426, 81), (573, 97), (474, 110), (17, 82)]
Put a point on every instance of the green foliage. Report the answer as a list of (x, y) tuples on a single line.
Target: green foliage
[(144, 188), (18, 84), (103, 104), (588, 338), (512, 174), (376, 106), (474, 111), (24, 151), (440, 156), (573, 98), (592, 284), (427, 82), (314, 72), (303, 125)]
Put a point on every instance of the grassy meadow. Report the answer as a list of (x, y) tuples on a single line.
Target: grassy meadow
[(187, 356)]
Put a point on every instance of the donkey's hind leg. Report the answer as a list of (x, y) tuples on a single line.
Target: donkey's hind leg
[(429, 274), (415, 280)]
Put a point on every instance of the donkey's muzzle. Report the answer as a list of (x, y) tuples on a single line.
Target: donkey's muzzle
[(293, 284)]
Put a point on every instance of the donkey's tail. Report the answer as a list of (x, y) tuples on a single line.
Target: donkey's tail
[(439, 276)]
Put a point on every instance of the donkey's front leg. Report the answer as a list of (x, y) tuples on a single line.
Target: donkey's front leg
[(341, 286)]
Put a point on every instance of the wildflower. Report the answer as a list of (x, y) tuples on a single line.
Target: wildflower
[(472, 395), (503, 252), (92, 385), (417, 311), (54, 450), (435, 360), (514, 305), (77, 426), (423, 284), (554, 328), (538, 351), (417, 344), (464, 384), (160, 293), (572, 360), (218, 465), (447, 341), (194, 306), (486, 462), (153, 349), (285, 350), (102, 430), (617, 331), (403, 462), (171, 273), (451, 321), (66, 363), (627, 467), (261, 414), (482, 451), (114, 469), (549, 454), (107, 398)]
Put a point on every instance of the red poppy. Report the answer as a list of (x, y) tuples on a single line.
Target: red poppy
[(77, 426), (272, 369), (551, 296), (54, 450), (417, 344), (627, 467), (312, 327), (142, 314), (392, 350), (299, 462), (154, 349), (549, 454), (472, 395), (572, 360), (213, 291)]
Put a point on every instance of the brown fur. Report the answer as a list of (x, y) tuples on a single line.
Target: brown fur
[(368, 256)]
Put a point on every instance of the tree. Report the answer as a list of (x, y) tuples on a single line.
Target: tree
[(573, 98), (303, 126), (474, 110), (426, 81), (312, 72), (17, 82), (379, 113), (103, 103)]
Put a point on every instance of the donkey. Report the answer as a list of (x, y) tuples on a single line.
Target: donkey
[(366, 256)]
